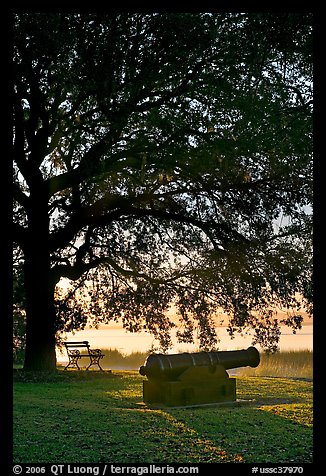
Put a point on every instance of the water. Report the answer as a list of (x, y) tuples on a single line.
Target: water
[(117, 338)]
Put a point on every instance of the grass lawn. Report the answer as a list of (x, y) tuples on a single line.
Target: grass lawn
[(94, 417)]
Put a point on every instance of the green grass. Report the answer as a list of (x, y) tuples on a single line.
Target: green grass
[(293, 363), (114, 359), (76, 417)]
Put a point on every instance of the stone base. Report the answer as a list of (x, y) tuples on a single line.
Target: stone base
[(187, 393)]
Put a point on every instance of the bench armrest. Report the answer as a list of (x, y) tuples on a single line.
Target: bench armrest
[(95, 352), (73, 352)]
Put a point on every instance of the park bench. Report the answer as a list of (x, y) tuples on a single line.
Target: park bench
[(74, 354)]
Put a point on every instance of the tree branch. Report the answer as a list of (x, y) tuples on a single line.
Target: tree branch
[(19, 195), (19, 139), (75, 271), (19, 234)]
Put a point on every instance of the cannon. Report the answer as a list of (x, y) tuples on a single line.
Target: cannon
[(194, 378)]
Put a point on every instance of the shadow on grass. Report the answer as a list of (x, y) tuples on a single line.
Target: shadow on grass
[(253, 433), (269, 429), (59, 375), (99, 419)]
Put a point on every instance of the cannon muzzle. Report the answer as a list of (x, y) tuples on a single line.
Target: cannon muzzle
[(170, 367)]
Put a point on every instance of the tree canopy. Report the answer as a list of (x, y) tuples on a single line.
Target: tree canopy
[(163, 159)]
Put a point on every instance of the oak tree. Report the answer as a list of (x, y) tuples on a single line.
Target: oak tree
[(162, 161)]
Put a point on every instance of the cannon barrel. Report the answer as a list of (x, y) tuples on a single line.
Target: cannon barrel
[(170, 367)]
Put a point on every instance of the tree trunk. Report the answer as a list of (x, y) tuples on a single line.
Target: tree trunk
[(40, 317), (39, 287)]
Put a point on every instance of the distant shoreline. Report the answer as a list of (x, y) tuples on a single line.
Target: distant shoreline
[(127, 342)]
